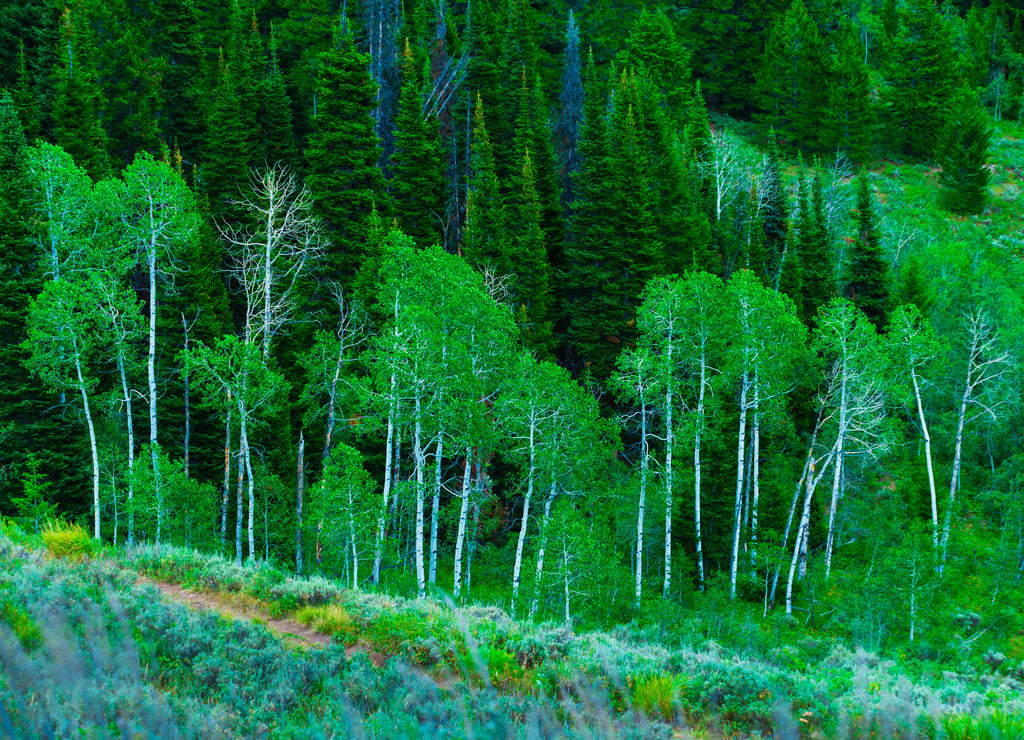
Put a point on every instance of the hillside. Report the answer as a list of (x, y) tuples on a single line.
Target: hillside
[(93, 647)]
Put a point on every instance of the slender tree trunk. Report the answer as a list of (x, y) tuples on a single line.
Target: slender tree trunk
[(188, 421), (460, 537), (928, 461), (755, 474), (352, 538), (954, 479), (92, 446), (805, 521), (670, 432), (642, 503), (565, 580), (151, 355), (239, 493), (740, 470), (516, 568), (697, 437), (792, 511), (838, 473), (227, 478), (382, 518), (435, 505), (474, 532), (419, 462), (131, 446), (251, 485), (535, 602), (300, 478)]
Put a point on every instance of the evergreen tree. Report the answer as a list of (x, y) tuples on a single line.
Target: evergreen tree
[(653, 47), (417, 177), (848, 120), (24, 401), (79, 103), (274, 118), (485, 238), (791, 82), (530, 288), (773, 211), (342, 157), (962, 152), (867, 281), (178, 38), (921, 77), (227, 153), (571, 113), (815, 253)]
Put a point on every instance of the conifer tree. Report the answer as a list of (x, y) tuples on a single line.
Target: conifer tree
[(921, 71), (653, 47), (962, 152), (815, 253), (274, 117), (178, 38), (485, 237), (417, 177), (571, 113), (530, 288), (78, 105), (790, 82), (773, 209), (226, 154), (848, 120), (342, 157), (867, 280)]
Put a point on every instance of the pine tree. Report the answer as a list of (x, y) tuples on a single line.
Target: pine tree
[(79, 103), (867, 281), (274, 117), (848, 120), (962, 152), (774, 212), (921, 75), (342, 157), (530, 287), (653, 47), (791, 83), (417, 177), (816, 254), (226, 154), (485, 244), (571, 113), (178, 38)]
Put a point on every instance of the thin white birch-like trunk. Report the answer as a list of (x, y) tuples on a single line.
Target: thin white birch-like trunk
[(565, 580), (227, 478), (955, 477), (92, 446), (126, 391), (755, 474), (333, 400), (669, 443), (352, 539), (804, 527), (928, 460), (792, 511), (434, 506), (151, 353), (300, 480), (697, 437), (382, 517), (239, 493), (188, 420), (535, 602), (418, 461), (246, 460), (837, 476), (642, 502), (517, 566), (460, 537), (740, 470)]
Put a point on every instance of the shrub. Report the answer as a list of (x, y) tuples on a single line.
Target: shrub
[(330, 619), (65, 540), (296, 592), (656, 695)]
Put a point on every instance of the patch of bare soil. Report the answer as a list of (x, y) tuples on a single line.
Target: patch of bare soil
[(290, 631)]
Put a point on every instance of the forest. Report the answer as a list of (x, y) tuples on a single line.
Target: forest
[(599, 313)]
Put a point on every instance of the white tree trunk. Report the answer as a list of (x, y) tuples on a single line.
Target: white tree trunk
[(126, 391), (803, 529), (435, 505), (642, 503), (300, 479), (227, 477), (535, 602), (151, 354), (755, 476), (740, 470), (517, 567), (928, 460), (382, 517), (92, 446), (697, 436), (954, 479), (837, 476), (460, 537), (419, 462), (669, 444)]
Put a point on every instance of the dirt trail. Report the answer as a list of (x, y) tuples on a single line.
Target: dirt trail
[(290, 631)]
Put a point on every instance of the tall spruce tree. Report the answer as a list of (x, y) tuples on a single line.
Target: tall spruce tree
[(417, 175), (867, 278), (342, 158), (226, 153), (848, 119), (571, 112), (962, 152), (816, 254), (921, 73)]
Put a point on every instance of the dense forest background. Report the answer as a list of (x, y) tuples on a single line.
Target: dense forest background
[(577, 307)]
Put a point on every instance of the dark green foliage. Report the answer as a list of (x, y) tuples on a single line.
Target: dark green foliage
[(178, 38), (816, 252), (921, 73), (417, 176), (653, 47), (36, 507), (79, 104), (962, 152), (847, 119), (867, 278), (774, 213), (791, 82), (571, 113), (343, 155), (485, 238), (226, 152), (274, 119)]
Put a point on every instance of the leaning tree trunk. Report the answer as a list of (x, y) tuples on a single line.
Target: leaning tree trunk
[(740, 470), (838, 473), (434, 505), (460, 537), (535, 602), (955, 477), (92, 446), (928, 460), (517, 566), (382, 517)]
